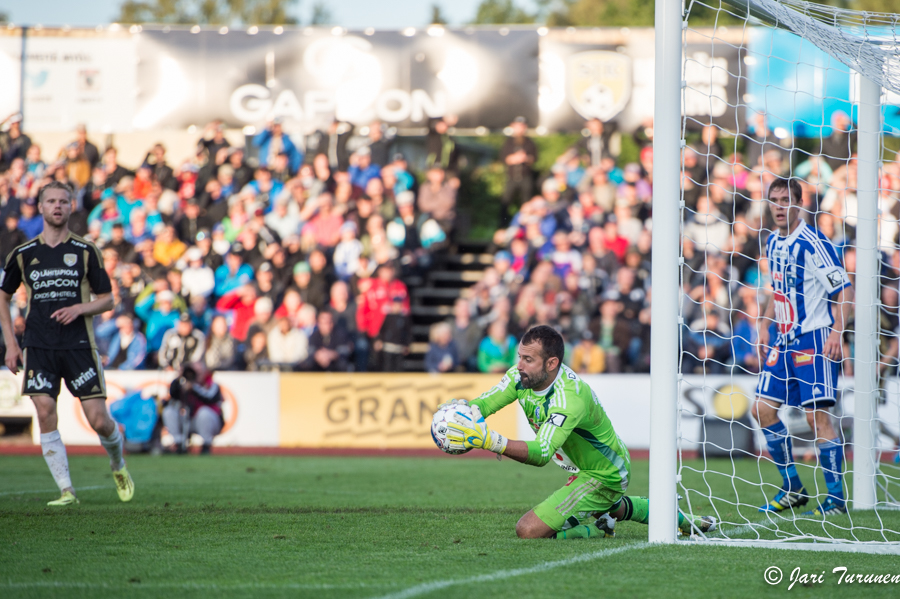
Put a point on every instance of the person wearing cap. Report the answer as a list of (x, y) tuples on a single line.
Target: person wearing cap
[(362, 169), (128, 347), (181, 344), (157, 311), (198, 280), (13, 143), (518, 154), (403, 231), (234, 273)]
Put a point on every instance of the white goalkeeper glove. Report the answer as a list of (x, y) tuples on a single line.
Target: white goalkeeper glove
[(467, 429), (453, 402)]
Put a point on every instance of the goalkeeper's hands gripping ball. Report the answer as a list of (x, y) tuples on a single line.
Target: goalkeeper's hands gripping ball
[(468, 430), (453, 402)]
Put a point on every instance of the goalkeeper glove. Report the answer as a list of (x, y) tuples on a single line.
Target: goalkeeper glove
[(467, 429), (453, 402)]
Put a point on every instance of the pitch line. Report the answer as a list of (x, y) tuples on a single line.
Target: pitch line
[(77, 489), (191, 586), (430, 587)]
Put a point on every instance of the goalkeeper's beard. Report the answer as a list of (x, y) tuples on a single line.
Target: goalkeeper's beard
[(530, 383)]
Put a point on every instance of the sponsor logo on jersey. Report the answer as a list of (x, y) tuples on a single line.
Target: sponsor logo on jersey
[(557, 419), (37, 382), (817, 391), (70, 259), (817, 261), (803, 357), (34, 261), (780, 254), (29, 246), (54, 283), (77, 243), (54, 295), (784, 313), (772, 360), (84, 377)]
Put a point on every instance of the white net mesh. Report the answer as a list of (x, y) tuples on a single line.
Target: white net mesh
[(793, 116)]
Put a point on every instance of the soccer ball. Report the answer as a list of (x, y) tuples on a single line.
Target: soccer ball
[(439, 428)]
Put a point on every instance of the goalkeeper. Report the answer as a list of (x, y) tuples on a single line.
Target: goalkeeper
[(573, 430)]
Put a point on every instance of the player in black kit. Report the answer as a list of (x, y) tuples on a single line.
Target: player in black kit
[(60, 271)]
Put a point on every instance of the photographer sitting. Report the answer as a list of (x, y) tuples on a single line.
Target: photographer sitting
[(194, 406)]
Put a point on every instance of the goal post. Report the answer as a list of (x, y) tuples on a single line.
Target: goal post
[(665, 272), (867, 44)]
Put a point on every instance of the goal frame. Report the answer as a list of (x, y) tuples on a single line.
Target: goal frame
[(667, 202)]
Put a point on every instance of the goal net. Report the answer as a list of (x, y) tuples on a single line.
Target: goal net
[(788, 89)]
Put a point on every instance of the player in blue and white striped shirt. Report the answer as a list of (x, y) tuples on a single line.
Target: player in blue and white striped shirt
[(810, 304)]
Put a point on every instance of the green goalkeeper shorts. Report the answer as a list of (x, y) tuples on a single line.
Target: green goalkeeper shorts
[(580, 494)]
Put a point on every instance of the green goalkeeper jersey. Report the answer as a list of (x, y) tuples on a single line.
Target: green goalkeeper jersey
[(571, 425)]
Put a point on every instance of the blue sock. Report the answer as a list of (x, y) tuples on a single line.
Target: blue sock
[(779, 443), (831, 456)]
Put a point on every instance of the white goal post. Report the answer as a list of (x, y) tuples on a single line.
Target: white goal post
[(846, 38)]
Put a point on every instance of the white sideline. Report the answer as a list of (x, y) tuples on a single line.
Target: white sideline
[(196, 586), (77, 489), (429, 587)]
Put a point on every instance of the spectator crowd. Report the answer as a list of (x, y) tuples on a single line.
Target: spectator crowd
[(298, 259)]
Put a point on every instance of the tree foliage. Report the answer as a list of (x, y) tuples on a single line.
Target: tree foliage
[(627, 13), (437, 15), (321, 14), (208, 12), (501, 12)]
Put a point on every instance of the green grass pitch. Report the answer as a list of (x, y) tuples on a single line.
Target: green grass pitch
[(324, 527)]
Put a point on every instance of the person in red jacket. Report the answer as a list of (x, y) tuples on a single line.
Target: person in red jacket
[(240, 304), (375, 300)]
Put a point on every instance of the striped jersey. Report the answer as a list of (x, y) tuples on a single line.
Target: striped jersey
[(571, 425), (806, 271)]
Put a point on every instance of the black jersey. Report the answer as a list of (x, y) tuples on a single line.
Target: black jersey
[(56, 277)]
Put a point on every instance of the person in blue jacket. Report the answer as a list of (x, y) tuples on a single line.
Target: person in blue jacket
[(271, 141), (128, 347)]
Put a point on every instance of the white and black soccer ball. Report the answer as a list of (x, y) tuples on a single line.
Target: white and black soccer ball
[(439, 428)]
